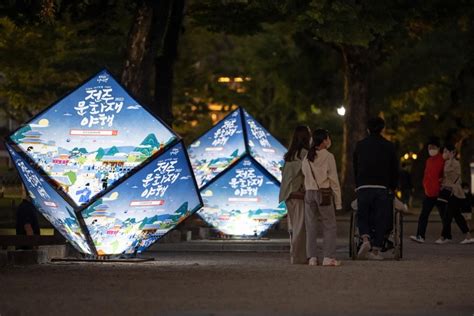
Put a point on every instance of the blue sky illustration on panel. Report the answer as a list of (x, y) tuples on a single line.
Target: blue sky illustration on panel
[(265, 148), (144, 207), (243, 201), (218, 148), (92, 137)]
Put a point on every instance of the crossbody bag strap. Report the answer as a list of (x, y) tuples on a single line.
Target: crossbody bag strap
[(312, 173), (456, 179)]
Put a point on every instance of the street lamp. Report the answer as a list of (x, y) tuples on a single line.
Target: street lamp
[(341, 110)]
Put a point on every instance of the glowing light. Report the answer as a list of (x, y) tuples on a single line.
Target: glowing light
[(414, 156), (43, 122), (341, 110), (214, 107), (238, 79), (406, 156), (214, 117), (223, 79)]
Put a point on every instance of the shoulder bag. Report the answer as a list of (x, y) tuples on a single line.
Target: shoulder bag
[(446, 193), (324, 193)]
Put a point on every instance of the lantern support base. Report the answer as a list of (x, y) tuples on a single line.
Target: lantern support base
[(103, 259)]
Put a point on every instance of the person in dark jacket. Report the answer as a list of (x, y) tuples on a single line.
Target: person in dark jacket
[(375, 165), (26, 218)]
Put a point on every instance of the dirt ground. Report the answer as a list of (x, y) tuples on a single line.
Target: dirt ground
[(431, 280)]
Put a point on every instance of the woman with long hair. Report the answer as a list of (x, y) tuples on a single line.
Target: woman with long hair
[(452, 186), (322, 192), (292, 192)]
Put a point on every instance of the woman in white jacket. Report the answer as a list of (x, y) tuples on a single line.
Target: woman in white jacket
[(320, 172)]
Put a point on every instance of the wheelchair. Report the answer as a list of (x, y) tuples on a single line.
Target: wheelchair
[(394, 240)]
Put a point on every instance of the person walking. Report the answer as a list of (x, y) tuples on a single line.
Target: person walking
[(452, 194), (375, 166), (432, 179), (292, 193), (322, 192)]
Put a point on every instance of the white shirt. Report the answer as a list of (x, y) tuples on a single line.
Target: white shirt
[(325, 171)]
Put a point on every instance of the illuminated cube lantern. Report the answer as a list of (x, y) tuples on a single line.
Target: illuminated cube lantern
[(109, 176), (237, 167)]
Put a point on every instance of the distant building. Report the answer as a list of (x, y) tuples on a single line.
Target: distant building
[(32, 138), (62, 159), (101, 210), (114, 161)]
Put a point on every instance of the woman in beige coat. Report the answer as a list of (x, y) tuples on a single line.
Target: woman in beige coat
[(320, 172), (292, 193), (452, 182)]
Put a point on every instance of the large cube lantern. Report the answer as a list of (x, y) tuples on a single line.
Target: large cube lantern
[(237, 166), (109, 175)]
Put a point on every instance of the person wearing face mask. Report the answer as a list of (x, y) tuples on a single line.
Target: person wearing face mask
[(432, 178), (452, 184), (322, 193), (375, 164)]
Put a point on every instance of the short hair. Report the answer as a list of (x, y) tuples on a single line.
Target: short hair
[(433, 140), (376, 125)]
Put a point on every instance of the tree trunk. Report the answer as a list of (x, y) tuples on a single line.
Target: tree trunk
[(170, 16), (357, 112), (152, 51), (140, 52)]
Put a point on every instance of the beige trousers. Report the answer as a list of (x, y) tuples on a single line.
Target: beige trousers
[(327, 215), (296, 217)]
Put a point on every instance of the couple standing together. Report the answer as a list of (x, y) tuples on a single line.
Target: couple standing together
[(310, 188), (442, 186)]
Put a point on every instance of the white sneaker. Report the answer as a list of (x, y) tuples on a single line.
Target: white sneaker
[(418, 239), (313, 261), (442, 240), (364, 249), (467, 241), (331, 262), (374, 256)]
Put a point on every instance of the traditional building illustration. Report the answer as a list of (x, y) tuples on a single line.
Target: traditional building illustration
[(72, 156), (237, 166)]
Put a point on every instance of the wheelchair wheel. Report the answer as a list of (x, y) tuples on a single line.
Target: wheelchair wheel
[(353, 237), (398, 235)]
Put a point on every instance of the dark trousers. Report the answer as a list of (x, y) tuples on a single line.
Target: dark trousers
[(427, 207), (454, 211), (374, 214)]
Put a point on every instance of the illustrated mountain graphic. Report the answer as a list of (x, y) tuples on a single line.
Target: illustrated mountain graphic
[(112, 151), (149, 144), (19, 134), (100, 154), (77, 151)]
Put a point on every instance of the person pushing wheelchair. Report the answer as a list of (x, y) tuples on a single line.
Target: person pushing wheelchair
[(375, 166)]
